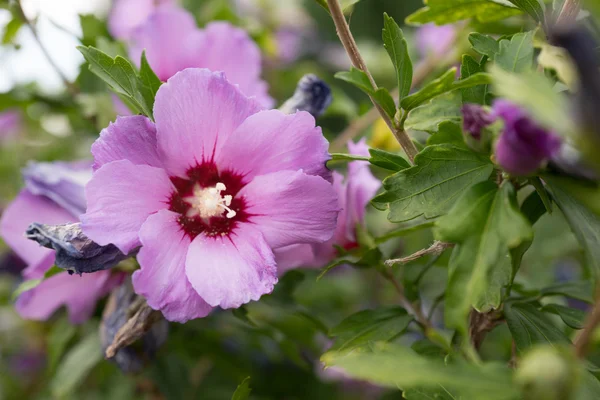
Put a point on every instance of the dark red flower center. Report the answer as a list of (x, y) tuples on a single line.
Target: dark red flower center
[(207, 201)]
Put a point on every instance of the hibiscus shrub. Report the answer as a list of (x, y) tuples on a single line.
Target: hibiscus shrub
[(210, 214)]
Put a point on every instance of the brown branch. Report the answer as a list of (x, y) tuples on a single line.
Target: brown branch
[(592, 321), (436, 248), (343, 31), (480, 324), (71, 88), (569, 12), (408, 306)]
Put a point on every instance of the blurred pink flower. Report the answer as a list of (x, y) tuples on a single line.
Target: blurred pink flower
[(173, 43), (208, 192), (431, 38), (56, 201), (11, 123), (126, 15), (354, 194)]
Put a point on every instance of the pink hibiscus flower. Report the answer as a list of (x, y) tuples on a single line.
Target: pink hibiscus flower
[(53, 195), (354, 193), (126, 15), (173, 43), (208, 192)]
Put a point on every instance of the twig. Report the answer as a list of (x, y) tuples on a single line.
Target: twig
[(436, 248), (414, 311), (72, 89), (343, 31), (482, 323), (569, 12), (585, 336), (422, 70)]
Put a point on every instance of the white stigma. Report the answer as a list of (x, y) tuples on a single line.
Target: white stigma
[(208, 202)]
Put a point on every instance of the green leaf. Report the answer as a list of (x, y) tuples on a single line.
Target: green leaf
[(443, 84), (400, 367), (33, 283), (485, 223), (148, 76), (382, 324), (474, 94), (589, 388), (583, 222), (395, 44), (76, 365), (441, 393), (542, 192), (390, 161), (364, 259), (447, 11), (345, 4), (516, 54), (572, 317), (529, 326), (381, 96), (243, 390), (347, 157), (448, 132), (535, 8), (122, 77), (60, 335), (429, 188), (484, 44), (580, 290), (356, 77), (92, 28), (534, 93), (11, 29), (385, 100), (428, 116)]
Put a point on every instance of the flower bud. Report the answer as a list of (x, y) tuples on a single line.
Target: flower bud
[(523, 146), (546, 373), (475, 118)]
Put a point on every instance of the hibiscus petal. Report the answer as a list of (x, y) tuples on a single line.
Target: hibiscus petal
[(294, 256), (291, 207), (120, 197), (78, 293), (128, 138), (126, 15), (272, 141), (231, 271), (164, 35), (195, 112), (25, 209), (162, 279), (227, 48)]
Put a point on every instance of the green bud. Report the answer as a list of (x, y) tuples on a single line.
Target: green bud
[(547, 373)]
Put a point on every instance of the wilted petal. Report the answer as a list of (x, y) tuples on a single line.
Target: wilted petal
[(61, 182), (312, 95), (128, 138), (192, 128), (271, 141), (290, 207), (162, 279), (120, 198), (25, 209), (231, 271), (74, 251), (78, 293), (117, 313)]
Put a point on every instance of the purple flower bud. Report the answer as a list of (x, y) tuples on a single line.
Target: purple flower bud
[(475, 118), (523, 145)]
